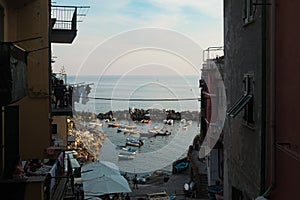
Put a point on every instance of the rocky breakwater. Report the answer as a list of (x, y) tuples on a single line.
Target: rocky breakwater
[(89, 139), (153, 114)]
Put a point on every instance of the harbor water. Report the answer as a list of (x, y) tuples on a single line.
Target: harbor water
[(157, 153), (112, 93)]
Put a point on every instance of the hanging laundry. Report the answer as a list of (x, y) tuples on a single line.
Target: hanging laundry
[(85, 93), (76, 94), (88, 89)]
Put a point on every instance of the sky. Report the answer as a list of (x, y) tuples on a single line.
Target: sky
[(136, 37)]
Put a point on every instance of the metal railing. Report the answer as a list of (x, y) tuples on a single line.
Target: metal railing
[(66, 17)]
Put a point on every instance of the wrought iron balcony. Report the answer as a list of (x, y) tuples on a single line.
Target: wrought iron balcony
[(64, 22)]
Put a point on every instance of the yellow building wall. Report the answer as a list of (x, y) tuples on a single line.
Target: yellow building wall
[(61, 122), (26, 20)]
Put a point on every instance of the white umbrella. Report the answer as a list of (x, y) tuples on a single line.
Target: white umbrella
[(105, 185), (98, 169)]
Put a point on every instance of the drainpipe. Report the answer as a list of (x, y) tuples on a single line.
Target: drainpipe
[(272, 99)]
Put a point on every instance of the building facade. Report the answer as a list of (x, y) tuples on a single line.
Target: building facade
[(261, 154), (27, 29)]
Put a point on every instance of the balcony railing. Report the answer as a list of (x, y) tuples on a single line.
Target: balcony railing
[(43, 180), (64, 22)]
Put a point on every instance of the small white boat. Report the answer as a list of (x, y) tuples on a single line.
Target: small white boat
[(128, 151), (128, 130), (163, 133)]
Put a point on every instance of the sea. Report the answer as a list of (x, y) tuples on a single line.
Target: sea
[(118, 93), (113, 92)]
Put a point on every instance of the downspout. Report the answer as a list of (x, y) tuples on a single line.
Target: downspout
[(49, 69), (264, 98), (272, 100)]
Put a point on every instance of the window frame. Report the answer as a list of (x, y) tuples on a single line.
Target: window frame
[(245, 102)]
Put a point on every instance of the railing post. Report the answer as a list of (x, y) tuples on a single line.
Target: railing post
[(74, 20)]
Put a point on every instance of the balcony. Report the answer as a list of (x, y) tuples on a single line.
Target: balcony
[(61, 103), (64, 22), (47, 179), (13, 73)]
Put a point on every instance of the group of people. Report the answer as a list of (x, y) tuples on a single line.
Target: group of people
[(62, 94)]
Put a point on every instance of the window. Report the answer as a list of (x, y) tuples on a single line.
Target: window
[(245, 102), (248, 12)]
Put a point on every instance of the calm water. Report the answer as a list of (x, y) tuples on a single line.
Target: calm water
[(145, 87), (157, 152)]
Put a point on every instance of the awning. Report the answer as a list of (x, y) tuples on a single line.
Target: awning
[(239, 105)]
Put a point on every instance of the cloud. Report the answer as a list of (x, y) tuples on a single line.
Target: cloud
[(200, 20), (210, 8)]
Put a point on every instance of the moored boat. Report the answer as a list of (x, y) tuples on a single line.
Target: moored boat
[(161, 133), (128, 151), (134, 142), (113, 125)]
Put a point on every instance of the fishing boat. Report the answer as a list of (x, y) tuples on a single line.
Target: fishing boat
[(161, 133), (128, 151), (128, 126), (154, 130), (113, 125), (134, 142), (128, 130), (181, 166)]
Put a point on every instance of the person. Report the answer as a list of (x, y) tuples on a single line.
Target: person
[(59, 93), (135, 182)]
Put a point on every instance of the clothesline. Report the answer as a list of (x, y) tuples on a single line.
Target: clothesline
[(143, 99)]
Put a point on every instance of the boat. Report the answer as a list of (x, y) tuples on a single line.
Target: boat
[(145, 120), (126, 157), (127, 130), (181, 166), (161, 133), (168, 121), (134, 142), (128, 126), (113, 125), (95, 123), (154, 130), (128, 151)]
